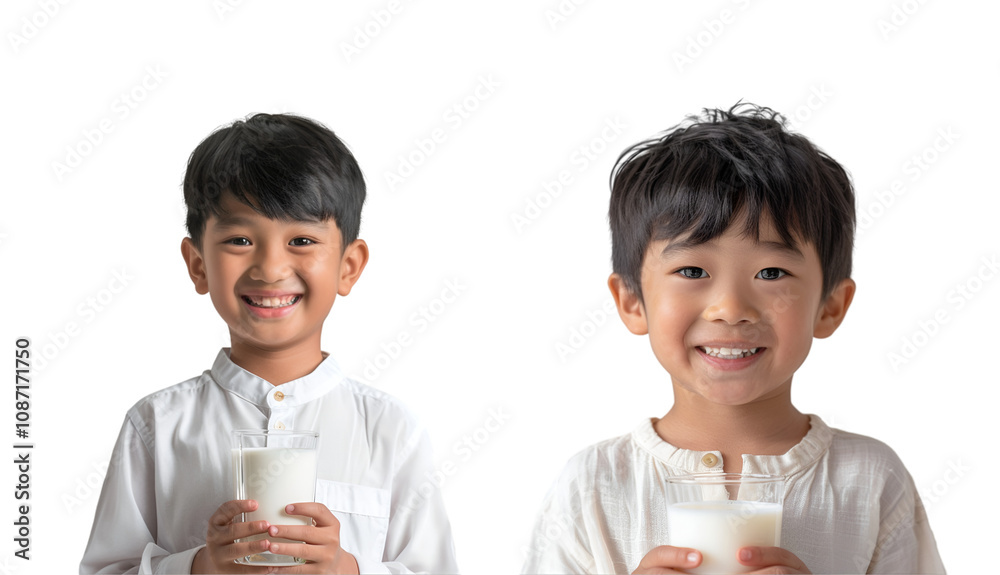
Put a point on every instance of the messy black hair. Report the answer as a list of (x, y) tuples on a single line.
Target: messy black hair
[(283, 166), (697, 178)]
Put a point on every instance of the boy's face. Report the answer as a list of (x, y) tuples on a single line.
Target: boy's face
[(732, 319), (272, 281)]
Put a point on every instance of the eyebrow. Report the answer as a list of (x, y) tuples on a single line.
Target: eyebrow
[(228, 221), (783, 248), (678, 247), (686, 245)]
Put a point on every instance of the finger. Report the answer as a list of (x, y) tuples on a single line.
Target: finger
[(307, 533), (301, 550), (230, 509), (233, 551), (669, 556), (319, 512), (772, 557), (233, 531)]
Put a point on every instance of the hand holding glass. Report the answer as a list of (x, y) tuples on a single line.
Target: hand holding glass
[(274, 468), (718, 513)]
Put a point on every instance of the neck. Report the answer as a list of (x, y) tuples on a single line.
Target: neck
[(769, 426), (277, 366)]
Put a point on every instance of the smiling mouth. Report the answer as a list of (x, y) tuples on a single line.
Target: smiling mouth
[(272, 302), (730, 352)]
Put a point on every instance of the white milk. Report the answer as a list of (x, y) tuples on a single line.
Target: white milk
[(275, 477), (719, 528)]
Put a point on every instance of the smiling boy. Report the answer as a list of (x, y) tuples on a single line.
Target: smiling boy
[(274, 208), (731, 248)]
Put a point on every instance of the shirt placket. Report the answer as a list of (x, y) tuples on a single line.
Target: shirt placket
[(282, 415)]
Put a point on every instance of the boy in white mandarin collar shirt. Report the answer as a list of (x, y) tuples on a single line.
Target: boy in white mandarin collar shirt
[(732, 243), (274, 207)]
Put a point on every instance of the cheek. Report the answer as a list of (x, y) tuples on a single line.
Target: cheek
[(218, 275), (795, 329), (222, 267), (320, 262), (669, 321), (320, 272), (223, 274), (217, 282)]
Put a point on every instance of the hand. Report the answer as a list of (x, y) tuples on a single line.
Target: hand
[(665, 559), (321, 547), (220, 551), (772, 560)]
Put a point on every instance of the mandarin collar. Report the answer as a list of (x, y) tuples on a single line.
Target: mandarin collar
[(815, 443), (262, 393)]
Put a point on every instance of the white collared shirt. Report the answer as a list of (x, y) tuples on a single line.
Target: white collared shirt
[(850, 505), (171, 467)]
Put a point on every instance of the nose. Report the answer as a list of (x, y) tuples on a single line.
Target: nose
[(733, 305), (270, 264)]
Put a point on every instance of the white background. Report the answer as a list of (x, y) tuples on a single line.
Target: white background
[(871, 96)]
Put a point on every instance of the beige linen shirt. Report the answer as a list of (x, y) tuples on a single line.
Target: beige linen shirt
[(850, 505)]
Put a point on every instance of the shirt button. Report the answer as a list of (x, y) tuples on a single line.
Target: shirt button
[(278, 396), (279, 425), (709, 460)]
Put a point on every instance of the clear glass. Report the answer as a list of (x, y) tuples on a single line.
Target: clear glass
[(717, 513), (274, 468)]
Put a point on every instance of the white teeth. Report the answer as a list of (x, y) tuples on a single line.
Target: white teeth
[(272, 302), (729, 353)]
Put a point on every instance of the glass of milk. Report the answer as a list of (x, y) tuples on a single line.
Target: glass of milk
[(717, 513), (274, 468)]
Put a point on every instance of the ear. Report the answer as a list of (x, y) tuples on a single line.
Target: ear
[(630, 308), (352, 263), (834, 309), (195, 265)]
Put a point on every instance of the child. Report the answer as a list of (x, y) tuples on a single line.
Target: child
[(732, 243), (274, 207)]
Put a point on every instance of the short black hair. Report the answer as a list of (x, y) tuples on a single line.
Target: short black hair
[(699, 176), (283, 166)]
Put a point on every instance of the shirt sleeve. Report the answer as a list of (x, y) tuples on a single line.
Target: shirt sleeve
[(123, 538), (418, 538), (559, 541), (905, 541)]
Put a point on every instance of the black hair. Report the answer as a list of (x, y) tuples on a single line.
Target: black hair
[(696, 178), (281, 165)]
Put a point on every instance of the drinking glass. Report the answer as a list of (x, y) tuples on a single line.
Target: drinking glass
[(274, 468), (717, 513)]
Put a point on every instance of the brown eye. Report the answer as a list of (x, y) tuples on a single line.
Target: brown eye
[(301, 242), (771, 273), (238, 241), (693, 273)]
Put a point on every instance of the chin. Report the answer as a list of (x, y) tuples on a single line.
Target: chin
[(730, 397)]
